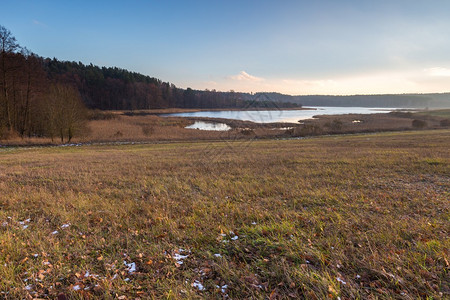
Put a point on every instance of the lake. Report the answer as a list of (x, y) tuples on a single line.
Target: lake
[(289, 116), (209, 126)]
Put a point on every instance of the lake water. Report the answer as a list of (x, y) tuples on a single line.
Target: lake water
[(209, 126), (290, 116)]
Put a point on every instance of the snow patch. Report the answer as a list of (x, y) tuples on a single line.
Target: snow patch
[(198, 285), (131, 266)]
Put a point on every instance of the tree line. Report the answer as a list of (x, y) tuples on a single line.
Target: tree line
[(119, 89), (47, 97)]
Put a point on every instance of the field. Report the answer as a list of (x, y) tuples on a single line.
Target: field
[(356, 216), (149, 126), (444, 113)]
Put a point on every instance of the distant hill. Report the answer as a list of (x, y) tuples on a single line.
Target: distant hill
[(402, 100)]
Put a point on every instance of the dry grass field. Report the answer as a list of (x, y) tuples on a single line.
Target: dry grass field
[(349, 217), (148, 126)]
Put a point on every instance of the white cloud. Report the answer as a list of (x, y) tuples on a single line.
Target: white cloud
[(244, 76), (38, 23), (211, 82), (438, 71)]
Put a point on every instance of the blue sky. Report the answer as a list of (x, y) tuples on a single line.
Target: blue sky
[(293, 47)]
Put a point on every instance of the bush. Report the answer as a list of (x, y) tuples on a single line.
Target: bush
[(419, 124), (101, 115), (290, 131), (445, 123), (307, 130), (247, 131), (6, 134), (335, 125), (118, 134), (147, 130)]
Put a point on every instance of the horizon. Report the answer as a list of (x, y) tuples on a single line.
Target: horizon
[(299, 48)]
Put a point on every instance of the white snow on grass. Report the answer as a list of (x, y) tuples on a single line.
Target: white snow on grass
[(179, 258), (340, 280), (131, 266), (198, 285), (222, 288)]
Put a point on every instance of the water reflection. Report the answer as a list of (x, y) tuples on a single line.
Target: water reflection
[(209, 126)]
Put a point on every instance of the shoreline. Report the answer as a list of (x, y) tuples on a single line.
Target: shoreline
[(155, 128), (162, 111)]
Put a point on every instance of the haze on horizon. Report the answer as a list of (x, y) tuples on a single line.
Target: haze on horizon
[(293, 47)]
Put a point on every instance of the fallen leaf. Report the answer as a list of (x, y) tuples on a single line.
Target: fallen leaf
[(273, 294), (24, 260)]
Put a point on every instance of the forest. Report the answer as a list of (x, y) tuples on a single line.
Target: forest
[(112, 88), (47, 97)]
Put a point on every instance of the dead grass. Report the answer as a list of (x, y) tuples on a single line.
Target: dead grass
[(352, 217), (147, 126)]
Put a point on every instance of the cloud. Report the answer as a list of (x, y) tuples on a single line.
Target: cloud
[(438, 72), (244, 76), (38, 23), (210, 83)]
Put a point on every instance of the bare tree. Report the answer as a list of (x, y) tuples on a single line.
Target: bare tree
[(8, 45), (31, 87), (65, 112)]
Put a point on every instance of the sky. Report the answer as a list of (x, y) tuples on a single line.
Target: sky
[(293, 47)]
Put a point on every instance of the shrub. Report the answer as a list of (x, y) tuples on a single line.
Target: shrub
[(101, 115), (290, 131), (307, 130), (247, 131), (419, 123), (445, 123), (6, 134), (118, 134), (147, 130), (335, 125)]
